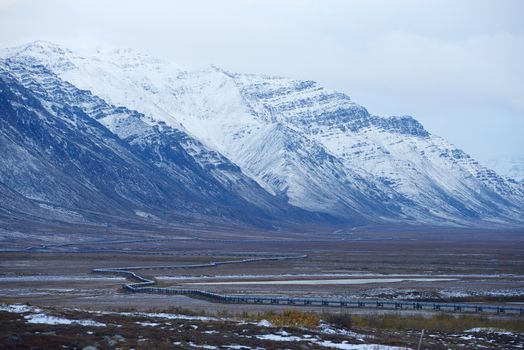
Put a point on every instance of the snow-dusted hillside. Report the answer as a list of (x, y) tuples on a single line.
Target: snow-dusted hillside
[(71, 157), (302, 143), (397, 150)]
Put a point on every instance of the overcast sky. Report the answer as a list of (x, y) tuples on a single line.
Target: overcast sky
[(457, 66)]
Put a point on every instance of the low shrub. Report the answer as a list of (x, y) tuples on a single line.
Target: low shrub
[(342, 320), (437, 322), (291, 318)]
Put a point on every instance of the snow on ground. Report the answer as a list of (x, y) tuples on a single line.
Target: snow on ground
[(18, 308), (416, 294), (53, 320), (159, 315), (277, 337), (327, 329), (264, 323), (327, 343), (330, 344), (148, 324), (488, 330), (37, 316), (203, 346), (240, 347), (459, 293)]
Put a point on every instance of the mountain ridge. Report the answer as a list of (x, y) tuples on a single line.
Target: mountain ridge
[(307, 146)]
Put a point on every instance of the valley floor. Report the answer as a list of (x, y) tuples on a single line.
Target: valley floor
[(448, 266)]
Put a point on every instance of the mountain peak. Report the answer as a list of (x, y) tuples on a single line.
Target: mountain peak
[(38, 47), (42, 52)]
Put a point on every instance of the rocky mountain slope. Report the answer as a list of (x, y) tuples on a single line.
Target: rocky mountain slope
[(68, 155), (260, 148)]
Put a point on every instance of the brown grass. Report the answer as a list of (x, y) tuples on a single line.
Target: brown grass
[(291, 318), (438, 322)]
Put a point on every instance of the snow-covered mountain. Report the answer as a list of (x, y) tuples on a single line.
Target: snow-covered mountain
[(69, 156), (278, 144)]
